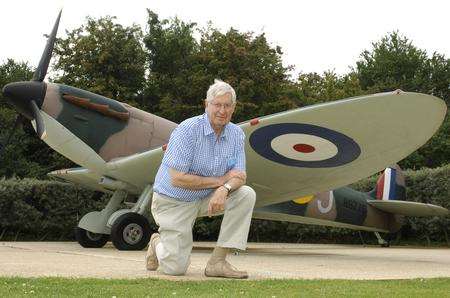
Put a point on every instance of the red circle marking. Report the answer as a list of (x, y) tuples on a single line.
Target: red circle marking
[(304, 148), (254, 121)]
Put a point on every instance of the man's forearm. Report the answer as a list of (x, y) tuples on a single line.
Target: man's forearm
[(191, 181), (235, 183)]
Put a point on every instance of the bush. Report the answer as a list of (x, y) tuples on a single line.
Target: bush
[(31, 209)]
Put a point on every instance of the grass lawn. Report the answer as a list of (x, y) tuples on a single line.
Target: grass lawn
[(57, 287)]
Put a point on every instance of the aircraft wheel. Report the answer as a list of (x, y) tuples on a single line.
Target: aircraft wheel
[(385, 244), (130, 231), (392, 238), (90, 240)]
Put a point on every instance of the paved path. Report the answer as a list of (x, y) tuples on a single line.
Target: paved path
[(306, 261)]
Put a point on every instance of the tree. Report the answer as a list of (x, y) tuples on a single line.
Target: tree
[(313, 88), (395, 63), (12, 71), (439, 77), (182, 68), (251, 65), (170, 90), (103, 57)]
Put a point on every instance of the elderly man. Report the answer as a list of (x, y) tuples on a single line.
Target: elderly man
[(202, 173)]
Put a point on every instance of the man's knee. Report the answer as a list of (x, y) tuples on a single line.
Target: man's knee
[(174, 253), (175, 267), (175, 271), (248, 195)]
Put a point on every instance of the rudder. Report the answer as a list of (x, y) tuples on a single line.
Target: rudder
[(390, 185)]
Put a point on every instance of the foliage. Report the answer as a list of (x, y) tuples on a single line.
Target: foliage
[(167, 69), (436, 152), (395, 63), (103, 57), (182, 68), (34, 209), (171, 47), (43, 209), (12, 71), (314, 88), (431, 186)]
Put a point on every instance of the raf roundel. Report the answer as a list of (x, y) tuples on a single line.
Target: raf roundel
[(304, 145)]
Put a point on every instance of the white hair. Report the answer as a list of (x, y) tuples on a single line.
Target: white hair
[(220, 88)]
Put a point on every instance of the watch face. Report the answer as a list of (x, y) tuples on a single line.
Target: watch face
[(227, 186)]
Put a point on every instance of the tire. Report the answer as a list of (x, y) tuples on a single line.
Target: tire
[(385, 244), (393, 238), (90, 240), (130, 231)]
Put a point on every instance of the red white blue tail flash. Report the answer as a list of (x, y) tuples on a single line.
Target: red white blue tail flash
[(386, 185)]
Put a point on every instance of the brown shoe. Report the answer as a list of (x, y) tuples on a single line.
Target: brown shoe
[(224, 269), (151, 261)]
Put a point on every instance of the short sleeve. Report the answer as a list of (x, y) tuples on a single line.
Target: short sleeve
[(240, 153), (179, 152)]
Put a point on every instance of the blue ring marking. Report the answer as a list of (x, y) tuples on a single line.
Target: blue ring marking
[(260, 140)]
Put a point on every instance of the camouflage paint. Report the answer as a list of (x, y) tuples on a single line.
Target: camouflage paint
[(108, 135), (343, 205)]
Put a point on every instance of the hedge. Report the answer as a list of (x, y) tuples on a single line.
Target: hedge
[(32, 209)]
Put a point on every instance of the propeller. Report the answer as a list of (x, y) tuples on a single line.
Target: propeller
[(28, 97), (41, 70), (40, 128)]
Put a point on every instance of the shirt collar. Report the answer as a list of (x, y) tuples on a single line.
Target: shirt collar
[(207, 129)]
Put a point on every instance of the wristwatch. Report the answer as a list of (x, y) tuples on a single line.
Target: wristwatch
[(227, 186)]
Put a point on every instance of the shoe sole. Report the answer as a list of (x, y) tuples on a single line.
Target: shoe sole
[(223, 276), (152, 267)]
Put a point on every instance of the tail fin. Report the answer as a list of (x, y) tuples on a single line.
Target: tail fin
[(390, 185)]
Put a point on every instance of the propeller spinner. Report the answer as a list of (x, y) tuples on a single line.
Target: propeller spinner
[(27, 97)]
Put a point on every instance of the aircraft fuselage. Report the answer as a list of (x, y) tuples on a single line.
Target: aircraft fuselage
[(110, 128)]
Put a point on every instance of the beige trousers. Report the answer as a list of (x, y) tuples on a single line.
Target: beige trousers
[(176, 219)]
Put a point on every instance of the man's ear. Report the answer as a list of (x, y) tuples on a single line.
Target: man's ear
[(206, 103)]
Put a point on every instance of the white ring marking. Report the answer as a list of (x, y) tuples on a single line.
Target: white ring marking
[(327, 209), (284, 145)]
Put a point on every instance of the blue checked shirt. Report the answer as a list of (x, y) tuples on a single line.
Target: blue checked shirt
[(194, 148)]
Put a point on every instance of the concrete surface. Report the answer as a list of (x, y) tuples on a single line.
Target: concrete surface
[(262, 261)]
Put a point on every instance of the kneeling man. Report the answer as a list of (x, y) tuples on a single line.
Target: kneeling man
[(202, 173)]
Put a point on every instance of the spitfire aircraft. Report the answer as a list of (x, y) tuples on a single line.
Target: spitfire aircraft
[(297, 161)]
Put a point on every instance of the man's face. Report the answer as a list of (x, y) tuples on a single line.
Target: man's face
[(220, 110)]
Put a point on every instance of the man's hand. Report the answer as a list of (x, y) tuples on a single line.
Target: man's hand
[(234, 174), (217, 201)]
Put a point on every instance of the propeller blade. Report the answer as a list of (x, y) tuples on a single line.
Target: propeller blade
[(16, 123), (41, 70), (40, 127)]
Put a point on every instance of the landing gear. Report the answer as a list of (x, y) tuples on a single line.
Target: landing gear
[(129, 228), (131, 231), (90, 240), (381, 241)]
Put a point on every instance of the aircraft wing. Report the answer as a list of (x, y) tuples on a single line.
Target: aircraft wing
[(408, 208), (81, 176), (136, 171), (318, 148), (323, 147)]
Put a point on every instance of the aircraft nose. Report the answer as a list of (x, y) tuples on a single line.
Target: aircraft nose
[(20, 95)]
